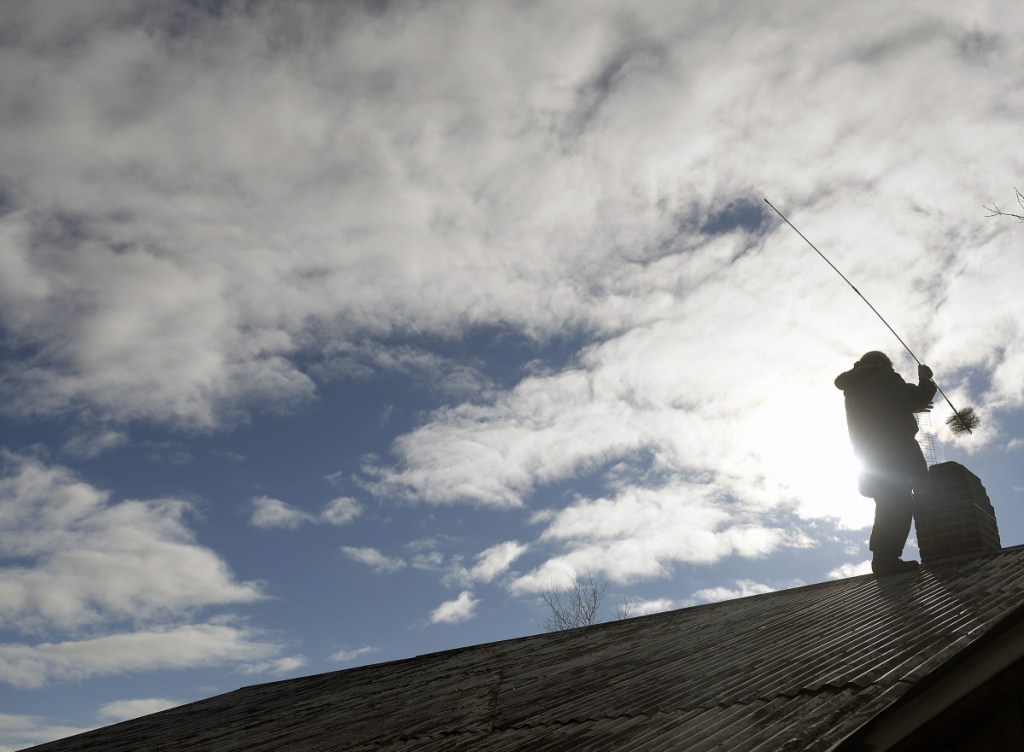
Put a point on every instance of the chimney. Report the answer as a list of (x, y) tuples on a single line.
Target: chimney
[(956, 517)]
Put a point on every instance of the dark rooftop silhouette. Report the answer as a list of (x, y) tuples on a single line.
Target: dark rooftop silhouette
[(900, 663)]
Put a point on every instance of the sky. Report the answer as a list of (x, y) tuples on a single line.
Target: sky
[(333, 333)]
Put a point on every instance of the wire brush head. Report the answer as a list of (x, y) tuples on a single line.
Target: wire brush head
[(964, 420)]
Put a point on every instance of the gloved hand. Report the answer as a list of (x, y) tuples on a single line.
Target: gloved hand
[(923, 372)]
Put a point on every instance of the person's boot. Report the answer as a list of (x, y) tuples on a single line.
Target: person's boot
[(886, 565)]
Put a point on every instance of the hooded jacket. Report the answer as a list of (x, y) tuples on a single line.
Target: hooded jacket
[(880, 409)]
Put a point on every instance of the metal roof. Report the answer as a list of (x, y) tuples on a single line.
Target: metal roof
[(794, 669)]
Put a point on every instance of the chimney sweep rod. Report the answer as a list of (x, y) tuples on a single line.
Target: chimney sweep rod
[(962, 421)]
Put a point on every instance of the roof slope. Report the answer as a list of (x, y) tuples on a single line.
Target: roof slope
[(795, 669)]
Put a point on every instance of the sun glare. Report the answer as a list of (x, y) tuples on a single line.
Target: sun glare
[(801, 438)]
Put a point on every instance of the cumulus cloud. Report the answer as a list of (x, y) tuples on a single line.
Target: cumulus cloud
[(373, 559), (124, 710), (175, 274), (449, 377), (655, 606), (743, 589), (460, 609), (774, 437), (279, 666), (268, 512), (185, 646), (29, 730), (79, 558), (271, 513), (490, 563), (642, 532), (496, 560), (345, 656), (190, 275), (92, 444), (428, 560), (341, 511), (850, 569)]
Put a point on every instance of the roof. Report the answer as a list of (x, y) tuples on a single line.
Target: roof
[(803, 668)]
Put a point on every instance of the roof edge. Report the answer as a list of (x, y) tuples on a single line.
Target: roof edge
[(962, 674)]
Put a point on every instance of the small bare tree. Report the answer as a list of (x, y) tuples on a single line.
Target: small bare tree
[(623, 610), (576, 605), (997, 212)]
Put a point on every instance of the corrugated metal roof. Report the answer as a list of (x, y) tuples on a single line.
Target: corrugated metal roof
[(795, 669)]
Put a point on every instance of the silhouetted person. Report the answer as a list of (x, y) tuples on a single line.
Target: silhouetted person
[(880, 409)]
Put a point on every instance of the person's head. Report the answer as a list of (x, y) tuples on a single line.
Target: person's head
[(874, 358)]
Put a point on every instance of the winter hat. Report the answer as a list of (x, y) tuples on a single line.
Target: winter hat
[(874, 358)]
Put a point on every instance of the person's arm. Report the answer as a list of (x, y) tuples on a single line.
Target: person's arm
[(914, 397), (925, 387)]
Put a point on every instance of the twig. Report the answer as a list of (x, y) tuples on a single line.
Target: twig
[(997, 212)]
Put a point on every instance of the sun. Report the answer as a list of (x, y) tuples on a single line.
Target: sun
[(800, 435)]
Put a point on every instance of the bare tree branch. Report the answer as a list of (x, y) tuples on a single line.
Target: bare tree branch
[(623, 610), (576, 605), (997, 212)]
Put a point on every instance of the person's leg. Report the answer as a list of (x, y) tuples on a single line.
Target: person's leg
[(920, 481), (893, 515)]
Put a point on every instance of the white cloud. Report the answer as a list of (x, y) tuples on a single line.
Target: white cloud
[(425, 555), (92, 444), (449, 377), (496, 560), (85, 560), (541, 516), (23, 731), (428, 560), (188, 278), (565, 192), (280, 666), (341, 511), (274, 513), (642, 532), (461, 609), (775, 439), (185, 646), (655, 606), (345, 656), (373, 558), (743, 589), (489, 564), (268, 513), (124, 710), (850, 569)]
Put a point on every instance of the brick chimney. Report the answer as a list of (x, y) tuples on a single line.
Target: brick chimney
[(956, 517)]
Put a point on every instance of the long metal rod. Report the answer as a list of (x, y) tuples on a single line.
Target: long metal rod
[(861, 297)]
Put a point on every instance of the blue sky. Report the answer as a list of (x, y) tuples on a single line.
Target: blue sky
[(333, 333)]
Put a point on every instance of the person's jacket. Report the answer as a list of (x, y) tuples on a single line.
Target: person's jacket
[(880, 407)]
